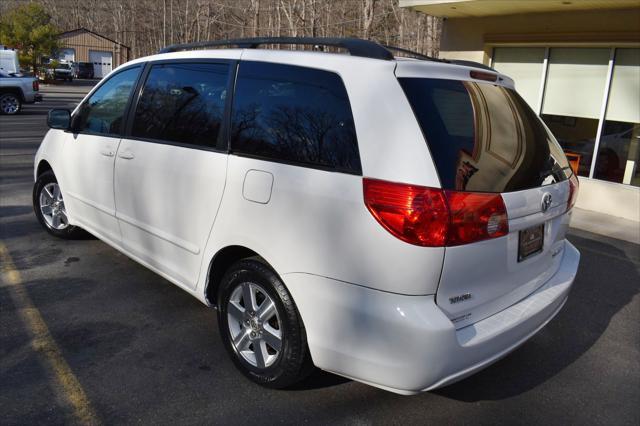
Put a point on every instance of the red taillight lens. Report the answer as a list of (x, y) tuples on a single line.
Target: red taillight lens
[(431, 217), (36, 85), (476, 217), (573, 191), (415, 214)]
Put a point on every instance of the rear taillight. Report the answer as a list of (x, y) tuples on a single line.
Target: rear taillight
[(475, 216), (36, 85), (432, 217), (573, 191), (415, 214)]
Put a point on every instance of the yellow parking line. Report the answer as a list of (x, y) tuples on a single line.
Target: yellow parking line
[(43, 342)]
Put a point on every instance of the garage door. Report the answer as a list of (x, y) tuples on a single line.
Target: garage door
[(101, 62)]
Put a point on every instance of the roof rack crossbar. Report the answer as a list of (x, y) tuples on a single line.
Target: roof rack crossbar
[(355, 47)]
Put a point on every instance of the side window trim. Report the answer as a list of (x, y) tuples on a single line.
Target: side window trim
[(223, 143), (126, 109)]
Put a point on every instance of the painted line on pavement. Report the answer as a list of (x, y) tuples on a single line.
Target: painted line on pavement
[(43, 343)]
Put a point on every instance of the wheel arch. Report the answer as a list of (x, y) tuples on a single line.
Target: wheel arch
[(43, 166), (14, 90), (218, 266)]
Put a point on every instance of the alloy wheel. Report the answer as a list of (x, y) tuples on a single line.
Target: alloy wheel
[(52, 207), (9, 104), (254, 325)]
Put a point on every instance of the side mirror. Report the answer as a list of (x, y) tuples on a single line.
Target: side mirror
[(59, 119)]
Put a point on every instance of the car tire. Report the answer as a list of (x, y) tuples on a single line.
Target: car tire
[(248, 329), (49, 208), (10, 104)]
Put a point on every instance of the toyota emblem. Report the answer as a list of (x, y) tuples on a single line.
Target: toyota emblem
[(546, 202)]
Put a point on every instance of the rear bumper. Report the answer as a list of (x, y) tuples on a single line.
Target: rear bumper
[(406, 344)]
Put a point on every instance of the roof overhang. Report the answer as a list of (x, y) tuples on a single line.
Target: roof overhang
[(479, 8)]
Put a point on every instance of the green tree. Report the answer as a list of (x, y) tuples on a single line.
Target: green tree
[(28, 28)]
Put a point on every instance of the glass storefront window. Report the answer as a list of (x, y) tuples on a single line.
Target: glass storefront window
[(524, 65), (573, 98), (577, 137), (572, 104), (619, 150)]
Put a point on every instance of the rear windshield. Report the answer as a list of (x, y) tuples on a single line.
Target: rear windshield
[(483, 137)]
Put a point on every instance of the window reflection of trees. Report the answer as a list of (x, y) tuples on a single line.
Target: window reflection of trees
[(103, 111), (300, 134), (185, 106)]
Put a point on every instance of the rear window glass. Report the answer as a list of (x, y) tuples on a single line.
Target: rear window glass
[(294, 115), (483, 137)]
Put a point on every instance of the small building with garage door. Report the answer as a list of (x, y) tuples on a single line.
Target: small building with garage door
[(83, 45)]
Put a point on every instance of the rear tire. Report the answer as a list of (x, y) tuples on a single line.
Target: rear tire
[(265, 336), (10, 104), (50, 210)]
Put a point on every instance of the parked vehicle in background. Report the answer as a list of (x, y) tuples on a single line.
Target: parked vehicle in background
[(60, 71), (405, 236), (9, 62), (83, 70), (16, 91)]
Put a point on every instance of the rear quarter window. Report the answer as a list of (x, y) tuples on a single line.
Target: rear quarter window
[(294, 115)]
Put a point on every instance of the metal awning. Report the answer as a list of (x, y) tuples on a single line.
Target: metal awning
[(478, 8)]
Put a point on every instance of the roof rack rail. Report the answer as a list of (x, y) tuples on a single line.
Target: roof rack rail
[(355, 46)]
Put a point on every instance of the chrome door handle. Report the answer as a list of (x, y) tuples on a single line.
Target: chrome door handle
[(107, 152), (126, 155)]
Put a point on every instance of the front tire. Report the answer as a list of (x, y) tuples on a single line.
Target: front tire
[(10, 104), (48, 205), (261, 327)]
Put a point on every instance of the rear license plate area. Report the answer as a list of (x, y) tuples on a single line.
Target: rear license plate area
[(530, 242)]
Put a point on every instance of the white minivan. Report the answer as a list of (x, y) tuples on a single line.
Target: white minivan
[(397, 221)]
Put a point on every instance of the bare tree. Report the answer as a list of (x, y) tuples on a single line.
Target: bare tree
[(148, 25)]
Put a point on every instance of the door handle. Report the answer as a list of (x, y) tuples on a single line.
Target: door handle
[(126, 155), (107, 152)]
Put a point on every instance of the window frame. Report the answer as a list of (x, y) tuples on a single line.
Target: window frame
[(125, 114), (314, 166), (222, 145)]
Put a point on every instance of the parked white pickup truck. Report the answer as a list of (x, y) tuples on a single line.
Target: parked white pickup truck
[(16, 90)]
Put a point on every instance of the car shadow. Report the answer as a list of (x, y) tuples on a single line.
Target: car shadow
[(598, 294), (318, 380)]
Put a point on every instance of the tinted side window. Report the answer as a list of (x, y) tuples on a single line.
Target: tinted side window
[(182, 103), (103, 112), (295, 115)]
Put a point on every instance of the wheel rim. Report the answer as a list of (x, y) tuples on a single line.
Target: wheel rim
[(9, 104), (254, 325), (52, 207)]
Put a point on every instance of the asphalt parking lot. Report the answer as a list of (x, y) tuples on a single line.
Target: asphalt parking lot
[(88, 335)]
